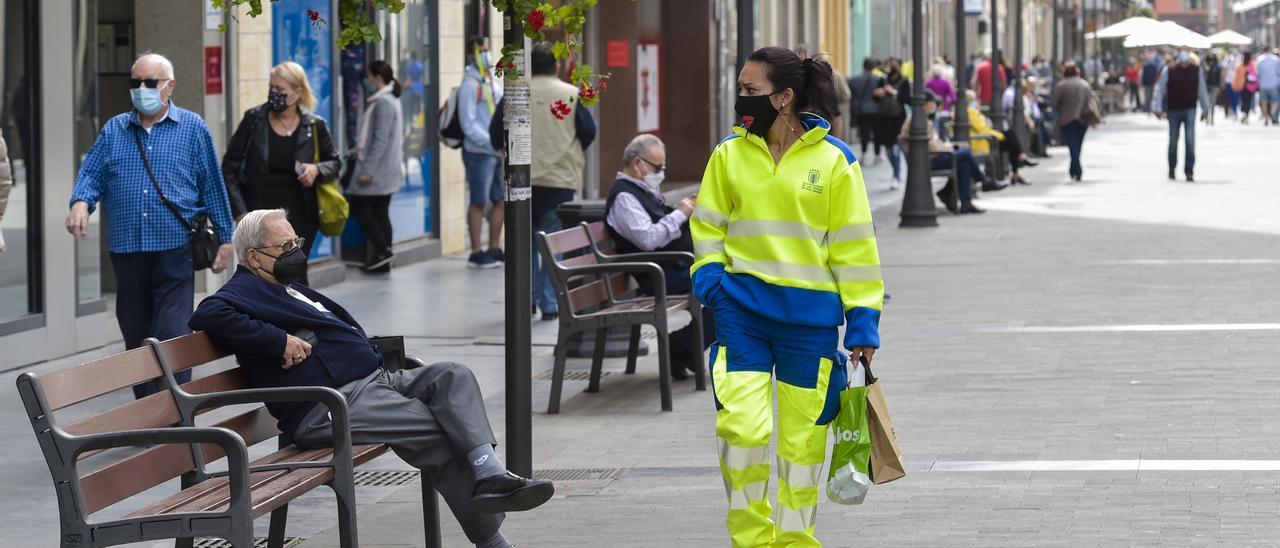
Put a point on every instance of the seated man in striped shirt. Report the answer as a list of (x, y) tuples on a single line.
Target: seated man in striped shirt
[(640, 221)]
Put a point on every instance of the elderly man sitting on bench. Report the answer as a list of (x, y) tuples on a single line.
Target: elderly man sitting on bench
[(286, 334)]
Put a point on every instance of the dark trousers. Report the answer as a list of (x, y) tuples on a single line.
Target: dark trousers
[(1073, 133), (1178, 119), (866, 131), (967, 169), (1147, 91), (431, 417), (154, 295), (373, 214)]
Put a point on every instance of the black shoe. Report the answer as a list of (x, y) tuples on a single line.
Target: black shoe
[(480, 259), (1171, 176), (550, 316), (380, 263), (1021, 181), (1026, 163), (510, 493), (992, 187), (949, 199), (498, 256), (682, 363), (1191, 178), (971, 209)]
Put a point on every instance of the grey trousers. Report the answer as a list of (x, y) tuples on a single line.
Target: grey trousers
[(431, 417)]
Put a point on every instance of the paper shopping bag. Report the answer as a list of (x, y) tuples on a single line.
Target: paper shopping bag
[(886, 455), (848, 478)]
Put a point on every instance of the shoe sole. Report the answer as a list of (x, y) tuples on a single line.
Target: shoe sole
[(521, 500), (487, 266), (380, 264)]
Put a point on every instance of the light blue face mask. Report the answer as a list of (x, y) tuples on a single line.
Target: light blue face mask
[(146, 100), (1184, 56)]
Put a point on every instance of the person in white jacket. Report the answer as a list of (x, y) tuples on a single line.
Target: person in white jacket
[(6, 184)]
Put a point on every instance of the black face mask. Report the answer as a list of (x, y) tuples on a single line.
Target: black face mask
[(756, 112), (277, 101), (290, 267)]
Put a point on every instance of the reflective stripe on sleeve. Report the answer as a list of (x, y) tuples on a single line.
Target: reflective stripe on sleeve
[(710, 216), (857, 273), (849, 233), (703, 248)]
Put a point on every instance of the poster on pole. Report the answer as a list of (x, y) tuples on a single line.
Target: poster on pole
[(974, 7), (648, 90)]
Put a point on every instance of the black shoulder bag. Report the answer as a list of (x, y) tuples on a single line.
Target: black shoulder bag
[(204, 238)]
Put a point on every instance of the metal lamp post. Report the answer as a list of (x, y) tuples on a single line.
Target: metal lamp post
[(960, 131), (918, 209), (995, 112), (519, 267)]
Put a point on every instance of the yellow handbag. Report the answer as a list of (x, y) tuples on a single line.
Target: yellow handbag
[(334, 208)]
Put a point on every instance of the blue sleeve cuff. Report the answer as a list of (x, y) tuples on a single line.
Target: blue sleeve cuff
[(862, 328), (706, 279)]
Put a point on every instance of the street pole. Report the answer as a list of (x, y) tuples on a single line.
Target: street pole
[(746, 32), (918, 209), (519, 274), (960, 131), (1017, 122), (1055, 54), (997, 64)]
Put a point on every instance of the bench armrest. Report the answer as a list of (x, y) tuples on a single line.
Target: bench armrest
[(321, 394), (654, 271), (230, 442)]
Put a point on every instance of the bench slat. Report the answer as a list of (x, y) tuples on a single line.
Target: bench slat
[(188, 351), (155, 411), (135, 474), (569, 239), (76, 384)]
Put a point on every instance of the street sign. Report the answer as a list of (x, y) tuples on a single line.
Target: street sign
[(974, 7), (648, 90)]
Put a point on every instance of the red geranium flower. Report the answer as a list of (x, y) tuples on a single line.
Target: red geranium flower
[(587, 93), (604, 85), (537, 19), (560, 110), (314, 15)]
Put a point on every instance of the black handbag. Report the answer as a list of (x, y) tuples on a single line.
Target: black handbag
[(204, 238)]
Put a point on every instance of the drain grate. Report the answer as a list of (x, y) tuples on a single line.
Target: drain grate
[(260, 542), (385, 478), (578, 474), (575, 375)]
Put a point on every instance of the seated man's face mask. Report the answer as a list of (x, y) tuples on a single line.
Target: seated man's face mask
[(290, 267)]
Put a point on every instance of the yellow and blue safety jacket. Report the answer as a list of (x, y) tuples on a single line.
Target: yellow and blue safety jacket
[(792, 241)]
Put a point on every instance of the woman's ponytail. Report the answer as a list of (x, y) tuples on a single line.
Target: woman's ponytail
[(820, 88), (383, 70)]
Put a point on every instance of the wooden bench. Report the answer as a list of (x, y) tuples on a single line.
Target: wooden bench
[(593, 294), (209, 504)]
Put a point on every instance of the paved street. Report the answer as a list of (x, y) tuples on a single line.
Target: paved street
[(1086, 364)]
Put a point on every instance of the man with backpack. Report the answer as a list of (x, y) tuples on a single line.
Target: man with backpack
[(475, 104)]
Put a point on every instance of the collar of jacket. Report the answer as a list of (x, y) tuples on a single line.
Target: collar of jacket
[(382, 91), (172, 113), (816, 129), (308, 118)]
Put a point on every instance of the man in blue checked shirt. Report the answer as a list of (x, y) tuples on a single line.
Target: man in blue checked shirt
[(150, 248)]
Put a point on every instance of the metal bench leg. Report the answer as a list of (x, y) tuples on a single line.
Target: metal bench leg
[(430, 510), (699, 376), (557, 372), (597, 360), (664, 361), (344, 489), (633, 349), (275, 535)]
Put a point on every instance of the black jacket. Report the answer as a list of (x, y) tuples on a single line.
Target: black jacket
[(251, 316), (245, 164)]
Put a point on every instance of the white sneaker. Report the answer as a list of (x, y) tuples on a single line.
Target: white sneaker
[(895, 183)]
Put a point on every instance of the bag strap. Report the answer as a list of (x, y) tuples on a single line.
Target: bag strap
[(163, 199)]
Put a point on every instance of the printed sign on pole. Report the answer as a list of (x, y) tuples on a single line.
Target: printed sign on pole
[(974, 7), (213, 70), (648, 115)]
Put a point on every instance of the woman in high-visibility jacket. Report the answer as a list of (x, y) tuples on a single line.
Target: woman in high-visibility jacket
[(786, 253)]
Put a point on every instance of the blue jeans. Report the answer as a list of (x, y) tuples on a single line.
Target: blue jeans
[(484, 177), (895, 160), (544, 295), (967, 169), (1177, 119), (1073, 133)]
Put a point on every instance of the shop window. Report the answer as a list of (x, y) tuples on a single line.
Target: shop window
[(20, 264)]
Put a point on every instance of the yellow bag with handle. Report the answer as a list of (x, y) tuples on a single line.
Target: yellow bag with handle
[(333, 206)]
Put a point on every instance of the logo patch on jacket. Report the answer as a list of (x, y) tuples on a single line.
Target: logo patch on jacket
[(813, 183)]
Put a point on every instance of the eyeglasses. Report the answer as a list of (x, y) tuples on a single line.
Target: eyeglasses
[(153, 83), (287, 246), (657, 167)]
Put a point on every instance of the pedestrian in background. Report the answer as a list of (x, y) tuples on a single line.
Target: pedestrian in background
[(1180, 87), (1268, 68), (556, 173), (1150, 73), (1229, 66), (1132, 75), (1213, 84), (957, 195), (893, 97), (379, 171), (142, 159), (942, 87), (6, 184), (1246, 81), (1070, 99), (780, 296), (271, 161), (477, 101), (863, 109), (982, 78)]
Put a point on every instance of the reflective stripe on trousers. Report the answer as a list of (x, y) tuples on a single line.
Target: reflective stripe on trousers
[(744, 426)]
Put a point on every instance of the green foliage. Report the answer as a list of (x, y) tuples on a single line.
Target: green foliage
[(357, 17)]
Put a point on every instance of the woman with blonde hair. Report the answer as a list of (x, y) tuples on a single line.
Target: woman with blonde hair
[(279, 152)]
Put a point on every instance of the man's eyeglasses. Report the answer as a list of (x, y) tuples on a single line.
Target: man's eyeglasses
[(153, 83), (656, 167), (287, 246)]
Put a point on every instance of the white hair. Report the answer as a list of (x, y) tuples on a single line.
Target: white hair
[(158, 59), (639, 145), (250, 232)]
